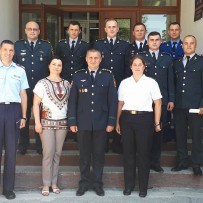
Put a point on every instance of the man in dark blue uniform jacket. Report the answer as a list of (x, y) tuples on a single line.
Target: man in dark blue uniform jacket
[(139, 44), (159, 67), (72, 51), (34, 54), (174, 45), (189, 106), (92, 111), (114, 58)]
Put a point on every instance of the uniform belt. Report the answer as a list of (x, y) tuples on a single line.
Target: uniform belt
[(9, 103), (136, 112)]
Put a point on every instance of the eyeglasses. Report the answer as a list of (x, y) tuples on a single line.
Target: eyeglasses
[(32, 29)]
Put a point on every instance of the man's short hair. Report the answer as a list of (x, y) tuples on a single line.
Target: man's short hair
[(110, 19), (6, 41), (74, 22), (154, 33), (173, 23), (93, 50), (139, 23)]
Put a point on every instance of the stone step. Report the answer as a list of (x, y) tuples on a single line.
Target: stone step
[(70, 144), (71, 158), (29, 177)]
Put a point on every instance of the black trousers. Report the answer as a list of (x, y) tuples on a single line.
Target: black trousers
[(157, 139), (137, 135), (183, 119), (10, 115), (92, 150), (24, 132)]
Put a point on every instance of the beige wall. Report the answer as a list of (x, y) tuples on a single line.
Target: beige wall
[(9, 19), (188, 24)]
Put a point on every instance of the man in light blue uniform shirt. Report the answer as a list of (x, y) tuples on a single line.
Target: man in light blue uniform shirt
[(13, 107)]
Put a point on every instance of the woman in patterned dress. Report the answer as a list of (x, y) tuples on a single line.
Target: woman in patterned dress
[(50, 112)]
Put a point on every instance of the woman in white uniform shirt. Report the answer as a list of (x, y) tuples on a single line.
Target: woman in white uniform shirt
[(136, 122), (51, 95)]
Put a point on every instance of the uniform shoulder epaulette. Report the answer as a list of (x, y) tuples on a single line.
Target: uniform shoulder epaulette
[(107, 70), (102, 39), (165, 53), (20, 40), (81, 70), (20, 66), (43, 40), (83, 41), (62, 40), (142, 52)]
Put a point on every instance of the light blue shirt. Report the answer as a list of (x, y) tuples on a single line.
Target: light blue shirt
[(13, 79)]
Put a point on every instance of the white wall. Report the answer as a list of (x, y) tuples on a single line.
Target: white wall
[(189, 26), (9, 19)]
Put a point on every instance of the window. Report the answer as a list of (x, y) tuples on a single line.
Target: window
[(78, 2), (47, 2), (120, 2), (159, 23), (159, 2)]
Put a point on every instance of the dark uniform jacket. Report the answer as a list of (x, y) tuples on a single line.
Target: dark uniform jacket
[(35, 62), (167, 47), (189, 83), (133, 50), (72, 61), (115, 60), (92, 105), (162, 72)]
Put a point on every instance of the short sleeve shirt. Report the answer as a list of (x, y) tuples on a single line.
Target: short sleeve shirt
[(138, 95), (54, 97), (13, 79)]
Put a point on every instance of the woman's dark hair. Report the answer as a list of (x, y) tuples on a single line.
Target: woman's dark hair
[(49, 62), (137, 57)]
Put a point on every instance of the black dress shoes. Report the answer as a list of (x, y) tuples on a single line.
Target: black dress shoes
[(127, 191), (157, 169), (9, 194), (99, 190), (143, 194), (197, 171), (179, 167), (81, 191)]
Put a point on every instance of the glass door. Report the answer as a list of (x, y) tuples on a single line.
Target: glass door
[(126, 20), (52, 24)]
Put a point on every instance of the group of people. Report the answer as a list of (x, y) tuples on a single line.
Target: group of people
[(113, 88)]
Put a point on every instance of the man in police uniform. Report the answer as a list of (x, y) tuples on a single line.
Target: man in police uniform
[(174, 48), (13, 106), (115, 58), (72, 51), (92, 111), (34, 54), (159, 67), (189, 105), (139, 44), (174, 45)]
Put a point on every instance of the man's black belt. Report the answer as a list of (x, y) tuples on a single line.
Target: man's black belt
[(133, 112), (9, 103)]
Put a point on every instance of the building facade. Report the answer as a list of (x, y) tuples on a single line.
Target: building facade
[(54, 15)]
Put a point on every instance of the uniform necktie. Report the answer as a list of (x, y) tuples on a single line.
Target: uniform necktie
[(92, 75), (188, 59), (111, 43), (140, 48), (32, 45), (154, 56), (174, 46), (73, 45)]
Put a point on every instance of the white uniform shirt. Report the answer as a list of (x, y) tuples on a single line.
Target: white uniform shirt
[(138, 95)]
